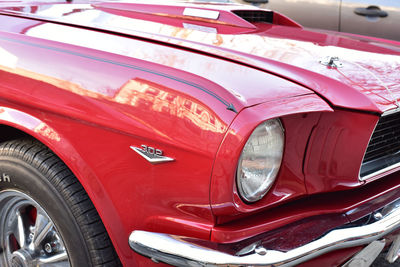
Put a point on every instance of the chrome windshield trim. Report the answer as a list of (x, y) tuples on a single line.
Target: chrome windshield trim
[(175, 250)]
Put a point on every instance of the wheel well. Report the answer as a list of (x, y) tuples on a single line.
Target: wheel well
[(8, 133)]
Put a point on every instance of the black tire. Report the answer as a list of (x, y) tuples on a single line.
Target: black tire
[(28, 168)]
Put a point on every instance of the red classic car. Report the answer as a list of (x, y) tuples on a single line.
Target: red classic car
[(191, 134)]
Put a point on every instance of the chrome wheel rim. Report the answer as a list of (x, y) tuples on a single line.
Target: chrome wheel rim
[(28, 236)]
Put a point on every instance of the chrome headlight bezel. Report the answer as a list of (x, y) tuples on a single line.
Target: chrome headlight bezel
[(254, 177)]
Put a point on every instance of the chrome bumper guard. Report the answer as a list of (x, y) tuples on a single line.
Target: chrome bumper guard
[(176, 251)]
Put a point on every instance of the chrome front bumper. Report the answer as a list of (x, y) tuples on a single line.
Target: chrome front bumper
[(177, 251)]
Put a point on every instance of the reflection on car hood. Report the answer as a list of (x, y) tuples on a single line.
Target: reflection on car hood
[(368, 78)]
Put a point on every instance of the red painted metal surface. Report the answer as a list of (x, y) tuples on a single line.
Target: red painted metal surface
[(291, 52), (330, 163), (92, 90)]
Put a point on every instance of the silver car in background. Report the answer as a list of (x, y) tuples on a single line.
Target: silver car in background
[(379, 18)]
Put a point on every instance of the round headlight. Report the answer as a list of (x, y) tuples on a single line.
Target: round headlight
[(260, 160)]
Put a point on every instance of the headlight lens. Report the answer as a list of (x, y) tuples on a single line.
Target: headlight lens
[(260, 160)]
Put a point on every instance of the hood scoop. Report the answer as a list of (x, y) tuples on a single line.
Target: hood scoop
[(265, 16), (254, 16), (217, 14)]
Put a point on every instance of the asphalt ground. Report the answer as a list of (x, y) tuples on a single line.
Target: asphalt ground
[(382, 262)]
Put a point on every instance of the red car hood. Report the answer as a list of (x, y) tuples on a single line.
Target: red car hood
[(367, 80)]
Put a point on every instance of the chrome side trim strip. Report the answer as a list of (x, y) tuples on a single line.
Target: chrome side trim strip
[(177, 251)]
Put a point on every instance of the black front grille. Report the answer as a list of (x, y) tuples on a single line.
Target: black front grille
[(255, 15), (384, 147)]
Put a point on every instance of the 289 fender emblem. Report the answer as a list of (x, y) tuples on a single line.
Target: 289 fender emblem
[(151, 154), (5, 178)]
